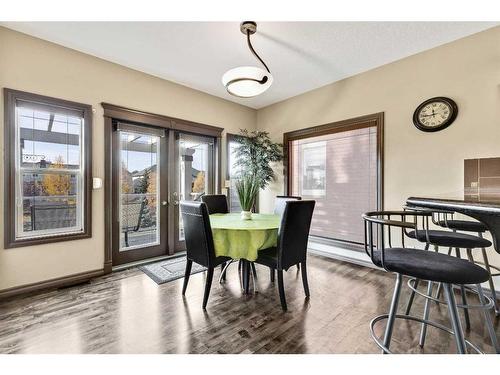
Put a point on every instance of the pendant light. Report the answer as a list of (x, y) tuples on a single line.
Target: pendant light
[(248, 81)]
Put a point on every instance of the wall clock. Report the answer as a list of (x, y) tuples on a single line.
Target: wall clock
[(435, 114)]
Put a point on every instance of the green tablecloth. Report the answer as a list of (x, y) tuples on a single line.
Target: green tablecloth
[(238, 238)]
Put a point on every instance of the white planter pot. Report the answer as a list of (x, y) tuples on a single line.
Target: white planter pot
[(246, 215)]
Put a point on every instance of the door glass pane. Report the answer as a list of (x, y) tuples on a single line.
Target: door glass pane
[(139, 190), (195, 170)]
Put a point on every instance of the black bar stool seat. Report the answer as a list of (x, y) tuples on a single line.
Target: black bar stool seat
[(450, 239), (464, 225), (431, 266)]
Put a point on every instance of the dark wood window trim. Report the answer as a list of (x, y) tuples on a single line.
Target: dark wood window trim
[(121, 113), (376, 119), (10, 98), (114, 112)]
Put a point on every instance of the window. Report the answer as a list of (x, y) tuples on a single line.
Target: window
[(48, 166), (339, 166), (232, 171)]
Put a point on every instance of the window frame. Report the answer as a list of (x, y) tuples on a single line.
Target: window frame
[(372, 120), (10, 146)]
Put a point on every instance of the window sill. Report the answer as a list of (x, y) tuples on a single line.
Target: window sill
[(46, 240)]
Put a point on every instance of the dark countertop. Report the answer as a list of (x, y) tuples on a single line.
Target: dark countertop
[(486, 211)]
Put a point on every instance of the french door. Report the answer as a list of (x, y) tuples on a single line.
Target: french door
[(154, 169)]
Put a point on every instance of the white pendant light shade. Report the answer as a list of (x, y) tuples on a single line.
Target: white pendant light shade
[(247, 81)]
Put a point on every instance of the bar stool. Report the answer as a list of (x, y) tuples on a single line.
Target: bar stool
[(451, 240), (423, 265), (479, 228)]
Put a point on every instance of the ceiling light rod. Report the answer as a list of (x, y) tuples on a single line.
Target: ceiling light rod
[(248, 81), (248, 28)]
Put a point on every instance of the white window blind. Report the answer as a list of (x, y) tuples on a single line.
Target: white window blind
[(339, 171)]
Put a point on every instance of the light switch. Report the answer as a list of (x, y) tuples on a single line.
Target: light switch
[(96, 183)]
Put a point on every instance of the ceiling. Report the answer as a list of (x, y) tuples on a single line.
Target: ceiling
[(301, 55)]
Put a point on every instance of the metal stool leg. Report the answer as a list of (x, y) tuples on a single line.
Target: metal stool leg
[(455, 319), (464, 297), (393, 311), (412, 295), (440, 287), (487, 318), (490, 281), (423, 329)]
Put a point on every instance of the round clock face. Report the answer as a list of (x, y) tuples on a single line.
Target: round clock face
[(435, 114)]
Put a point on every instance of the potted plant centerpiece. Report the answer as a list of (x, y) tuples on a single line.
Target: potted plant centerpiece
[(247, 188), (254, 155)]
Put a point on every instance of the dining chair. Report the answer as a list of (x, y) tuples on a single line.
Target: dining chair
[(292, 244), (216, 203), (279, 208), (280, 202), (199, 243)]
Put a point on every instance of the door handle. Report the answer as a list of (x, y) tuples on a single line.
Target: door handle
[(164, 203)]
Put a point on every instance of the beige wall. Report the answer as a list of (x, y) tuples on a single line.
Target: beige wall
[(416, 163), (33, 65)]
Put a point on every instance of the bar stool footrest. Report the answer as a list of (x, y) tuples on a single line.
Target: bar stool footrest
[(431, 323), (486, 306)]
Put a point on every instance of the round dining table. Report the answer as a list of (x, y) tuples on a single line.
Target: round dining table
[(242, 239)]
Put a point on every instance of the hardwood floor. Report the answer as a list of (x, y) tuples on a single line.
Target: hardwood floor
[(126, 312)]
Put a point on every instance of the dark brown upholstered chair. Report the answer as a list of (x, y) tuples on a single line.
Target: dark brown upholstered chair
[(292, 244), (199, 243)]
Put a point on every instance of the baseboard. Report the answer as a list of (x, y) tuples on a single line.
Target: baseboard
[(108, 267), (58, 282)]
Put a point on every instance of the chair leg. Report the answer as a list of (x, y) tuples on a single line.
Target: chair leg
[(271, 274), (393, 311), (304, 279), (423, 329), (254, 271), (223, 271), (490, 281), (464, 297), (208, 285), (187, 273), (455, 319), (298, 266), (281, 290), (487, 318)]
